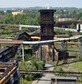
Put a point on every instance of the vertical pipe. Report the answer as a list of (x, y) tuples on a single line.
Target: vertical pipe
[(11, 79), (20, 28), (64, 51), (53, 53), (40, 52), (0, 45)]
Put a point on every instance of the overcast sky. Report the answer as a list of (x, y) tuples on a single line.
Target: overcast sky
[(44, 3)]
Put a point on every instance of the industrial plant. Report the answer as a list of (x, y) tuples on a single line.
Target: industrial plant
[(45, 45)]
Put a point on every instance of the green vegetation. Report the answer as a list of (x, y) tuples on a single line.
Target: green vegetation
[(31, 64), (24, 81), (70, 12), (56, 68), (74, 67), (69, 67), (33, 18), (30, 17), (74, 64), (62, 32)]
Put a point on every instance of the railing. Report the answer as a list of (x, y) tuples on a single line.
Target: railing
[(45, 71)]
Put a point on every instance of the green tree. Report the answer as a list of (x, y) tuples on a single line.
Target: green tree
[(72, 26)]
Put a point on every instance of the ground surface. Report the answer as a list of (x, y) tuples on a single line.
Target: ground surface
[(46, 78)]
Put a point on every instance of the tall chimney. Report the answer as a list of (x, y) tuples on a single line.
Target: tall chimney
[(47, 24), (47, 33)]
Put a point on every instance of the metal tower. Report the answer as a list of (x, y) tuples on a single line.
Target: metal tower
[(47, 24), (47, 30)]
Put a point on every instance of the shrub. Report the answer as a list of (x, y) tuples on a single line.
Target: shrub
[(32, 64)]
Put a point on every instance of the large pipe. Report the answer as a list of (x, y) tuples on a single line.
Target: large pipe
[(51, 41), (38, 42)]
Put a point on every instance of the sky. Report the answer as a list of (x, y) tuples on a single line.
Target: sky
[(42, 3)]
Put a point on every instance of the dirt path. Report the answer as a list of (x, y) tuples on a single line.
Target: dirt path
[(46, 78)]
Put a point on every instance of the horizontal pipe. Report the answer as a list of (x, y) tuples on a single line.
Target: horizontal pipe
[(43, 71), (39, 42)]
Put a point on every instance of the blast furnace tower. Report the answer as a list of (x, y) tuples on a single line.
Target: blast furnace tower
[(47, 24), (47, 33)]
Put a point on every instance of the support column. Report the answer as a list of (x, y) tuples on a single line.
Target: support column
[(64, 51), (20, 28), (0, 45), (40, 52), (63, 46), (53, 53), (22, 47), (11, 79), (80, 48)]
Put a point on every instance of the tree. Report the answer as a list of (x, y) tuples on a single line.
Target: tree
[(72, 26)]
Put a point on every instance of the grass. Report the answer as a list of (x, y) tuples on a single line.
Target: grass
[(72, 67), (70, 47), (76, 66), (23, 81)]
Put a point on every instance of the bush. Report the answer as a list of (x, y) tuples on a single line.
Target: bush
[(60, 70), (32, 64), (80, 58), (28, 57)]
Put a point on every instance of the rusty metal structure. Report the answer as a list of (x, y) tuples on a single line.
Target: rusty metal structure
[(67, 23), (47, 24), (9, 51), (47, 32), (9, 73)]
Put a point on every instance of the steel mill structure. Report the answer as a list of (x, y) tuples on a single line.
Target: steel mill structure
[(9, 73), (47, 24), (47, 33)]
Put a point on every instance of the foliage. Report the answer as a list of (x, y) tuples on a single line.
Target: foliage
[(24, 81), (79, 33), (72, 26), (80, 58), (28, 57), (81, 77), (63, 32), (70, 13), (31, 18), (60, 69), (32, 64), (69, 33)]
